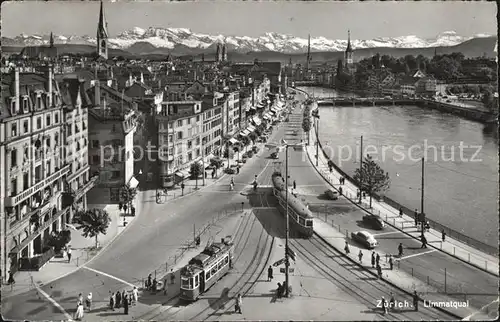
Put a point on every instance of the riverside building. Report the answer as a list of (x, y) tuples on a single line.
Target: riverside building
[(42, 176)]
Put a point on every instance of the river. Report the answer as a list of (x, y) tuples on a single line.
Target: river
[(460, 168)]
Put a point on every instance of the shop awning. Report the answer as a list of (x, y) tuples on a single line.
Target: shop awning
[(233, 141), (274, 109), (256, 120), (133, 183), (250, 128), (182, 173), (267, 116), (245, 132), (260, 105)]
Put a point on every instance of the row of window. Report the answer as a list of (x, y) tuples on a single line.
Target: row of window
[(209, 273), (49, 168), (15, 131)]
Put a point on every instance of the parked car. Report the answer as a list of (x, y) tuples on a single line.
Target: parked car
[(332, 194), (255, 149), (250, 154), (230, 170), (374, 221), (364, 238)]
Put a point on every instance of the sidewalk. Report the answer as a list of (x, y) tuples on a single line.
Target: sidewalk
[(396, 277), (405, 223), (83, 250)]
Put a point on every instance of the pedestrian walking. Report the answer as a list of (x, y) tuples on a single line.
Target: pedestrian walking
[(392, 302), (125, 207), (206, 175), (149, 281), (88, 302), (11, 281), (118, 299), (132, 209), (340, 190), (400, 212), (379, 271), (125, 304), (424, 242), (373, 259), (346, 248), (384, 305), (416, 218), (443, 235), (377, 259), (360, 255), (111, 301), (415, 300), (135, 294), (155, 285), (279, 291), (172, 276), (294, 185), (120, 206), (80, 298), (239, 304), (79, 311), (400, 249), (68, 253), (391, 262), (270, 273)]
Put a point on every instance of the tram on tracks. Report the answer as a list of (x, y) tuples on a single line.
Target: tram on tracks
[(206, 268), (300, 216)]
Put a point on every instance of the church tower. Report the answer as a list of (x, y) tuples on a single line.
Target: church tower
[(102, 35), (51, 41), (349, 63), (224, 53), (218, 53)]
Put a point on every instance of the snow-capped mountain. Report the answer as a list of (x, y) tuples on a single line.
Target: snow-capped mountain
[(271, 41)]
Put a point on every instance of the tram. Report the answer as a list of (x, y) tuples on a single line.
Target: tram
[(300, 216), (206, 268)]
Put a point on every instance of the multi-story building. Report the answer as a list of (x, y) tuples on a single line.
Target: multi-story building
[(40, 161), (426, 86), (180, 127), (112, 124)]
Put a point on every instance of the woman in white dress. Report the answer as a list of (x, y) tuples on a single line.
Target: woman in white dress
[(79, 311), (135, 295)]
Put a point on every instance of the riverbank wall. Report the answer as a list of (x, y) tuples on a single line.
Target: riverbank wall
[(396, 205)]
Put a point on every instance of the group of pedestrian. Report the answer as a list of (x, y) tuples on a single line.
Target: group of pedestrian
[(341, 180), (151, 284), (123, 299), (388, 305), (376, 263), (81, 306)]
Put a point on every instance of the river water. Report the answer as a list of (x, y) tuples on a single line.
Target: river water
[(460, 168)]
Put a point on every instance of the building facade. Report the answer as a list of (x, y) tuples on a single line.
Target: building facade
[(40, 162)]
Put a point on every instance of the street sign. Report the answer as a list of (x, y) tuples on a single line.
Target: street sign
[(278, 263), (290, 270)]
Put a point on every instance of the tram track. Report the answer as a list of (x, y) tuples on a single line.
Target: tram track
[(368, 295), (242, 227)]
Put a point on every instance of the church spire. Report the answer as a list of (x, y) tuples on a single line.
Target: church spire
[(51, 41), (102, 35), (348, 49), (308, 51)]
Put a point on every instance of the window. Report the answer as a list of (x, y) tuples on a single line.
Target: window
[(219, 266), (190, 144), (170, 138), (171, 125), (13, 187), (49, 168), (39, 102), (197, 141), (77, 146), (213, 270), (84, 125), (56, 139), (197, 152), (96, 159), (13, 158), (190, 156), (56, 118), (26, 181), (39, 123), (179, 123), (226, 260), (48, 120), (95, 143), (47, 142), (77, 129), (38, 174), (26, 128), (115, 174), (188, 120), (13, 127), (207, 276), (197, 118), (25, 103), (179, 135)]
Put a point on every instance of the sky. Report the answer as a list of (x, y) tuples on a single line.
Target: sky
[(330, 19)]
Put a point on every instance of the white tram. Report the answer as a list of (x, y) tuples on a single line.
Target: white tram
[(206, 268)]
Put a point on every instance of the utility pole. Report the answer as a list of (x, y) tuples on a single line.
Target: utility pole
[(287, 260), (422, 199), (361, 169), (317, 141), (203, 160)]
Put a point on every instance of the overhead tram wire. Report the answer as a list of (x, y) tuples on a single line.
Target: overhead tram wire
[(464, 174)]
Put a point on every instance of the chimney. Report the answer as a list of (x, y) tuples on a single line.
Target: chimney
[(97, 93), (51, 103), (16, 80)]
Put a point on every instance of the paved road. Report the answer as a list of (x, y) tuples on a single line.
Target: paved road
[(153, 237), (460, 276)]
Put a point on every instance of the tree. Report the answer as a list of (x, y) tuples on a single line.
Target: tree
[(93, 222), (127, 195), (306, 126), (253, 137), (372, 177), (196, 170), (59, 239), (245, 140)]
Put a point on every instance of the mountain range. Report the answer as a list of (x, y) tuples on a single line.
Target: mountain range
[(182, 41)]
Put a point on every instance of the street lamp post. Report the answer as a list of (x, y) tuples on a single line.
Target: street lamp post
[(422, 200), (287, 260)]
